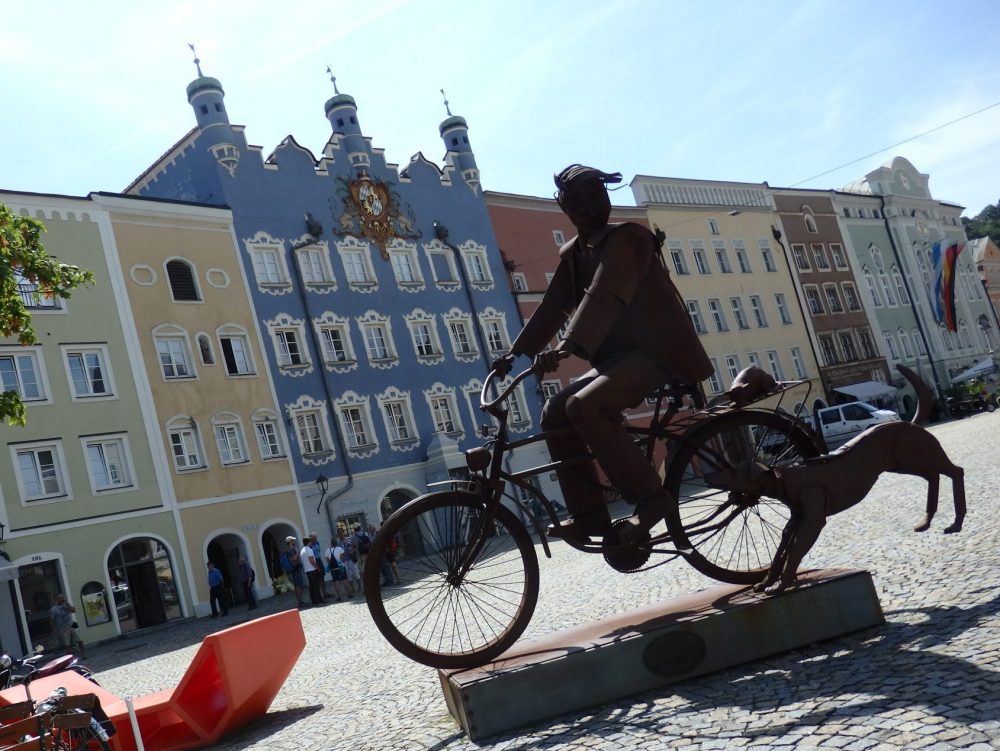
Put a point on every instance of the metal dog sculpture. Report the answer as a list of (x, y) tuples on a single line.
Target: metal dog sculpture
[(835, 482)]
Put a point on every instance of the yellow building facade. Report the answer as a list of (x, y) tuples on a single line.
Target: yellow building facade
[(718, 244)]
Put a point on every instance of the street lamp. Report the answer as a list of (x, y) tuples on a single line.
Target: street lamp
[(321, 484)]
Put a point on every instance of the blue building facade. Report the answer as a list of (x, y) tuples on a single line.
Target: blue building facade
[(380, 293)]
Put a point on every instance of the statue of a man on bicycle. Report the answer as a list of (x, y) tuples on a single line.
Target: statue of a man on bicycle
[(628, 320)]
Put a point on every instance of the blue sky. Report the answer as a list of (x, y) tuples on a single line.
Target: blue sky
[(770, 90)]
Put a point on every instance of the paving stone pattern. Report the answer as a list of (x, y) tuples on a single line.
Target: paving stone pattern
[(928, 679)]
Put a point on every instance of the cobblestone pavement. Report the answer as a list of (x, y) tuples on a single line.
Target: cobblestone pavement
[(929, 678)]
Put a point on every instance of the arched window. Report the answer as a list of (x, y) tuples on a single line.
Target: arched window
[(182, 282), (807, 216), (144, 585)]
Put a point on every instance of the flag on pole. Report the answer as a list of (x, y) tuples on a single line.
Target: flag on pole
[(944, 259)]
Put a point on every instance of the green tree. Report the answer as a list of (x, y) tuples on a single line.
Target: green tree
[(23, 260), (985, 224)]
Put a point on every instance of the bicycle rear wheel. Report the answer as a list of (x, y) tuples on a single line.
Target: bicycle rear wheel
[(733, 535), (434, 617)]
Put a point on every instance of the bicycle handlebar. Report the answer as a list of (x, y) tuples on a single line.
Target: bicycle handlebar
[(490, 406)]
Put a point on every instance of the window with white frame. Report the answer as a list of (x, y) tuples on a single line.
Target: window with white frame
[(107, 462), (308, 431), (269, 264), (34, 296), (235, 346), (904, 342), (355, 268), (694, 311), (766, 256), (963, 335), (742, 260), (494, 324), (335, 342), (185, 444), (289, 347), (714, 383), (397, 414), (918, 341), (850, 296), (828, 349), (423, 340), (515, 403), (476, 265), (718, 315), (810, 222), (832, 298), (676, 251), (21, 371), (172, 351), (265, 429), (783, 314), (314, 265), (40, 473), (897, 279), (819, 257), (377, 334), (774, 365), (753, 359), (88, 371), (732, 366), (719, 246), (559, 237), (406, 269), (757, 308), (814, 301), (867, 344), (551, 388), (837, 252), (800, 258), (441, 259), (847, 346), (798, 363), (229, 439), (873, 288), (713, 227), (460, 333), (738, 313), (700, 262), (518, 281), (444, 413), (356, 421), (890, 345)]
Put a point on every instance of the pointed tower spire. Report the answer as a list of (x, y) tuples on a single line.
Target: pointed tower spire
[(197, 62), (446, 107), (333, 78)]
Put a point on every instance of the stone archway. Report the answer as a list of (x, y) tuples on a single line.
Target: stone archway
[(410, 542), (144, 585), (225, 550), (272, 542)]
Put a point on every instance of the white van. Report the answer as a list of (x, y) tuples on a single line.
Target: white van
[(840, 424)]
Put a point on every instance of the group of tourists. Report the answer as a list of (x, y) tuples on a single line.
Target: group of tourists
[(307, 564)]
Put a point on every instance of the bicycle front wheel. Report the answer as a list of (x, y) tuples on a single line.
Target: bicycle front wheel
[(733, 535), (434, 615)]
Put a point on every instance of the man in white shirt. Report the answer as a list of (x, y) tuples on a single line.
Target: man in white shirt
[(314, 572)]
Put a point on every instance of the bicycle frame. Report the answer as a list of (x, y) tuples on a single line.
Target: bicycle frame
[(492, 479)]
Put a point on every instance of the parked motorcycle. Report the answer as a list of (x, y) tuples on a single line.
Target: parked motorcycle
[(965, 407), (14, 671)]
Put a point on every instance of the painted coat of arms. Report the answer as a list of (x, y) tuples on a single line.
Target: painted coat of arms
[(371, 209)]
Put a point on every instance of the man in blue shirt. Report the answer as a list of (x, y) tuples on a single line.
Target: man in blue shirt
[(215, 590)]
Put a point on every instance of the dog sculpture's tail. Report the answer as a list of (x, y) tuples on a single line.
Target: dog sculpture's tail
[(925, 399)]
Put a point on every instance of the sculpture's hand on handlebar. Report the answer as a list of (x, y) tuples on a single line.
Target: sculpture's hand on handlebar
[(503, 364), (546, 362)]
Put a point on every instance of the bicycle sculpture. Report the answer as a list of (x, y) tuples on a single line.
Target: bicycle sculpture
[(469, 566)]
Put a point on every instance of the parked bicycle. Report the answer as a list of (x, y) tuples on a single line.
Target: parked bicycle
[(469, 566)]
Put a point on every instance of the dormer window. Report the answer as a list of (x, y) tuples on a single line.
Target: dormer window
[(182, 283)]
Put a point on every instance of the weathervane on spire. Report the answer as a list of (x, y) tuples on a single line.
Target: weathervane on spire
[(446, 107), (333, 78), (197, 62)]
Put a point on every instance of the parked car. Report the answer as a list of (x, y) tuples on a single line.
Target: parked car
[(841, 423)]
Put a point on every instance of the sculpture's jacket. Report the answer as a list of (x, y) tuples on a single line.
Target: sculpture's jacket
[(629, 303)]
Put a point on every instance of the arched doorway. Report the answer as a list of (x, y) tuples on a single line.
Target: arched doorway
[(143, 584), (225, 551), (410, 542), (818, 405), (273, 543)]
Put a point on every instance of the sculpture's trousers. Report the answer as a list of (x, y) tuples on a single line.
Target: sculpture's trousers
[(593, 405)]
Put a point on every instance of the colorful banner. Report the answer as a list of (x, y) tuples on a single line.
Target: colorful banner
[(944, 260)]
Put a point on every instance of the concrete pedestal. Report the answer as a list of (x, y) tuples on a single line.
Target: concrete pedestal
[(654, 646)]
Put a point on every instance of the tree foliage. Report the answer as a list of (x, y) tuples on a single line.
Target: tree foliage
[(985, 224), (27, 270)]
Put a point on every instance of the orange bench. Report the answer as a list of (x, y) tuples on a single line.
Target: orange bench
[(232, 680)]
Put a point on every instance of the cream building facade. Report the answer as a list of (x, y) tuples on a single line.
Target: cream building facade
[(734, 278)]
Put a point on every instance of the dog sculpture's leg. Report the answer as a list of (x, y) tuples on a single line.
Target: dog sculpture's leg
[(781, 554), (957, 475), (933, 488), (810, 523)]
